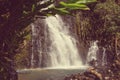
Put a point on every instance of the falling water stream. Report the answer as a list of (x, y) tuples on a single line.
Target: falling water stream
[(32, 55), (104, 62), (97, 55), (92, 53), (63, 49)]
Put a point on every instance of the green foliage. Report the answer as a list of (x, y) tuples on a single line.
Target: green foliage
[(67, 7), (61, 11), (81, 1), (74, 6)]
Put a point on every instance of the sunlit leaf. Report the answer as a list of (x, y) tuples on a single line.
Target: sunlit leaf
[(62, 10), (74, 6), (33, 7), (85, 1)]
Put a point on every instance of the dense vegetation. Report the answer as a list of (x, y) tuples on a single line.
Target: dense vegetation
[(13, 21), (100, 22)]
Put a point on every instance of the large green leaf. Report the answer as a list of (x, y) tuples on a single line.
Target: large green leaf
[(81, 1), (61, 11), (85, 1), (72, 6), (72, 1)]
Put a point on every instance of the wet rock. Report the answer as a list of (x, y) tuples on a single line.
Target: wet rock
[(91, 74), (107, 78)]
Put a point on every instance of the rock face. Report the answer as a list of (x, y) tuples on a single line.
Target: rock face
[(109, 72), (91, 74), (39, 43)]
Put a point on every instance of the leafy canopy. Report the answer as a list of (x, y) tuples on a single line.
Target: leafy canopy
[(70, 5)]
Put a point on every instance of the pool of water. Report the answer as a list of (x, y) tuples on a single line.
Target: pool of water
[(47, 73)]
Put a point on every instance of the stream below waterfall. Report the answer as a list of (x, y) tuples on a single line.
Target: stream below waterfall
[(47, 74)]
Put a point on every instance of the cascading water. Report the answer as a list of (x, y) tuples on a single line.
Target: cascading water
[(104, 57), (92, 53), (63, 49), (53, 45), (32, 55), (95, 55)]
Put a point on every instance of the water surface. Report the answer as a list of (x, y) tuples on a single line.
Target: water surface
[(48, 73)]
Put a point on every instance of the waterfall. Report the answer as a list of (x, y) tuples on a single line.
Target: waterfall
[(53, 46), (92, 53), (32, 54), (104, 57), (63, 50), (95, 55)]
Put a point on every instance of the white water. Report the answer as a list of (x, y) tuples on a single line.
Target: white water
[(92, 53), (104, 57), (32, 55), (63, 49)]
